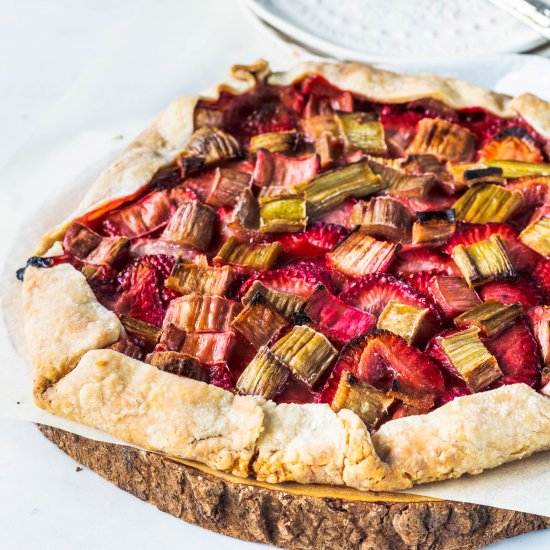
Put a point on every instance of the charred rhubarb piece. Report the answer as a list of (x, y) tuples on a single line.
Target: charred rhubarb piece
[(453, 295), (207, 116), (141, 329), (470, 359), (405, 320), (433, 226), (514, 143), (273, 169), (210, 348), (202, 313), (214, 145), (254, 256), (383, 217), (363, 131), (475, 176), (360, 254), (228, 186), (339, 321), (178, 363), (325, 149), (316, 126), (307, 352), (265, 375), (537, 236), (127, 347), (331, 189), (192, 224), (200, 277), (487, 203), (539, 318), (443, 139), (276, 142), (246, 214), (491, 317), (86, 245), (484, 261), (283, 214), (368, 403), (401, 183), (286, 304), (259, 321), (514, 169), (172, 338)]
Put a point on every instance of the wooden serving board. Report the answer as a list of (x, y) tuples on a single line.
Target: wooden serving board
[(294, 516)]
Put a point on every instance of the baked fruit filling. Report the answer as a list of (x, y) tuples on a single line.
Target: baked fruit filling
[(311, 245)]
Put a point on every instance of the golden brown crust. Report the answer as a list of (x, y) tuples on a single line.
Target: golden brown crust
[(244, 435)]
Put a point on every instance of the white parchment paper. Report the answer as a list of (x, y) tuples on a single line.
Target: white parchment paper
[(75, 162)]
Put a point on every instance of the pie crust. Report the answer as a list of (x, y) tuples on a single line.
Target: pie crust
[(66, 328)]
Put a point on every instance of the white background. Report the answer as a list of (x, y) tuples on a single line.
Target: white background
[(53, 54)]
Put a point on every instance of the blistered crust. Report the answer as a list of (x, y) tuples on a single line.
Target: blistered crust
[(244, 435), (160, 411), (63, 320)]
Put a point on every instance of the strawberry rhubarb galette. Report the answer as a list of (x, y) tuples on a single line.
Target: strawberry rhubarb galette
[(335, 274)]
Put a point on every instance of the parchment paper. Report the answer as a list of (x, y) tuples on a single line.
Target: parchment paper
[(521, 485)]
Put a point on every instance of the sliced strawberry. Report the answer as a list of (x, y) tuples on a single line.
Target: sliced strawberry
[(509, 293), (466, 234), (300, 279), (315, 241), (202, 183), (341, 215), (221, 376), (517, 354), (423, 259), (421, 280), (372, 293), (539, 320), (387, 362), (535, 190), (541, 275), (513, 143)]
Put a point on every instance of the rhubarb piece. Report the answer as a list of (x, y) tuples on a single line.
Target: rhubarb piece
[(443, 139), (513, 143), (491, 317), (423, 259), (425, 164), (276, 142), (517, 354), (433, 226), (141, 329), (202, 313), (253, 256), (404, 320), (363, 131), (273, 169), (383, 217), (307, 352), (515, 169), (336, 319), (259, 320), (180, 364), (315, 241), (200, 278), (214, 145), (152, 247), (315, 127), (332, 188), (522, 291), (264, 376), (127, 347), (401, 183), (325, 148), (487, 203), (246, 214), (84, 244), (284, 303), (470, 359), (484, 261), (475, 176), (283, 214), (207, 116), (192, 224), (360, 254), (539, 318), (228, 186), (537, 236), (139, 218), (210, 348), (368, 403), (453, 295), (458, 169), (387, 362), (172, 338), (535, 191)]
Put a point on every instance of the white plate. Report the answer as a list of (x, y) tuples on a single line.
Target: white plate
[(398, 30)]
